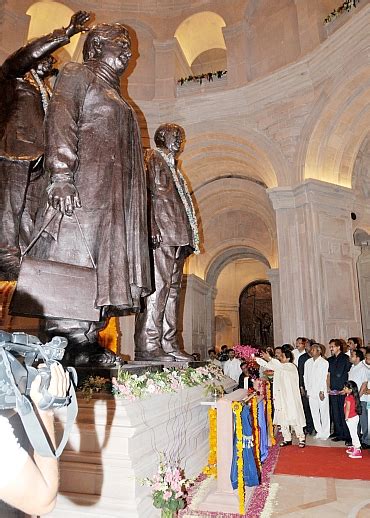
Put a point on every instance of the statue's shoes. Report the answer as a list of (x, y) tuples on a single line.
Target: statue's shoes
[(157, 355), (181, 356)]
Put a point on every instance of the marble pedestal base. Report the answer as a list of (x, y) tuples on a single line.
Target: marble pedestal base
[(115, 443)]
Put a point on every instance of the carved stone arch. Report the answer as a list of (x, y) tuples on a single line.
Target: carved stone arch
[(228, 256)]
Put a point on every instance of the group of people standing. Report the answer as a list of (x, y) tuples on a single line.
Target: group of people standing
[(316, 393), (325, 397)]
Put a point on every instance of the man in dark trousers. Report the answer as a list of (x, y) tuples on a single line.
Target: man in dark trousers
[(309, 428), (24, 99), (339, 366), (174, 236)]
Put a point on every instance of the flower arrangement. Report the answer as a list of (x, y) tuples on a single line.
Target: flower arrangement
[(169, 486), (132, 386), (211, 468), (200, 78), (93, 385), (245, 352), (348, 5)]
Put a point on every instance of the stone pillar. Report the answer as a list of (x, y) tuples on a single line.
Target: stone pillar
[(13, 31), (317, 261), (273, 276), (310, 24), (237, 53), (362, 242), (196, 315), (165, 68)]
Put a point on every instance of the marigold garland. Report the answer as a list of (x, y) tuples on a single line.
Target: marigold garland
[(211, 468), (270, 426), (237, 409), (256, 433), (6, 292)]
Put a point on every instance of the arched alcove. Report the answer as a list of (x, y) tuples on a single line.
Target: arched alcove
[(199, 33), (47, 16)]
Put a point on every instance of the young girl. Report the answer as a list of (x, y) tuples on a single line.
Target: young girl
[(352, 410)]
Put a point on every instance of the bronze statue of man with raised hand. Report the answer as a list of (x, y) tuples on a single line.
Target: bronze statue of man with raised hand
[(24, 98), (174, 236), (94, 157)]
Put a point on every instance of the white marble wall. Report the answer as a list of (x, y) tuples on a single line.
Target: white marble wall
[(317, 261)]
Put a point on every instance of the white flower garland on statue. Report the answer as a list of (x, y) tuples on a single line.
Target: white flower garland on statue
[(185, 198), (45, 94)]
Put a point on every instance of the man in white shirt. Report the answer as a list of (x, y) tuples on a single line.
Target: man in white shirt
[(232, 366), (360, 374), (213, 358), (315, 381), (300, 348)]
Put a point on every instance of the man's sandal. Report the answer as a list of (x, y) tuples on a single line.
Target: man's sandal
[(302, 444), (285, 443)]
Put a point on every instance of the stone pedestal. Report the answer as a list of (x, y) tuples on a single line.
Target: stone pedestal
[(317, 261), (114, 443)]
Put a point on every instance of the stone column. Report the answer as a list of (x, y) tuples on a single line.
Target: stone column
[(165, 68), (237, 53), (317, 261), (273, 276), (196, 314), (13, 30), (362, 243)]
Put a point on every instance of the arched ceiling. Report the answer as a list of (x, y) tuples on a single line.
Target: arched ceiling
[(199, 33), (210, 155)]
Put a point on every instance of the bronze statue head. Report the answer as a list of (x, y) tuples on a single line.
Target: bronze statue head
[(170, 136), (109, 43)]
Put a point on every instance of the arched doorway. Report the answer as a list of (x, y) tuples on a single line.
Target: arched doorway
[(255, 314)]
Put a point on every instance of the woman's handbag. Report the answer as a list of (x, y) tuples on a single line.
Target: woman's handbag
[(51, 289)]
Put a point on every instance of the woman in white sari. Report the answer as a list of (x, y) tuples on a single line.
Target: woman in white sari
[(287, 398)]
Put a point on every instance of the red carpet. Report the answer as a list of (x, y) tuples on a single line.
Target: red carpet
[(314, 461)]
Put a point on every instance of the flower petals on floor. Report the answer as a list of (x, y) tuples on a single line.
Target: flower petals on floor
[(261, 502)]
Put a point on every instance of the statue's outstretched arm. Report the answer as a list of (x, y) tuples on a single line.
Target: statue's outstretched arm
[(25, 58)]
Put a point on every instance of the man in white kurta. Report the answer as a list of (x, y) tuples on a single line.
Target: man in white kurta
[(232, 366), (287, 397), (315, 380)]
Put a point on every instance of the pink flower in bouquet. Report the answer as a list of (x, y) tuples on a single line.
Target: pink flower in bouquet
[(167, 495), (245, 352)]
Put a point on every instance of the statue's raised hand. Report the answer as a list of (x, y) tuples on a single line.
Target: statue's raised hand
[(78, 23), (63, 196)]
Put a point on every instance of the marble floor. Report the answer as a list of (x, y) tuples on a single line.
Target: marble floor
[(309, 497)]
